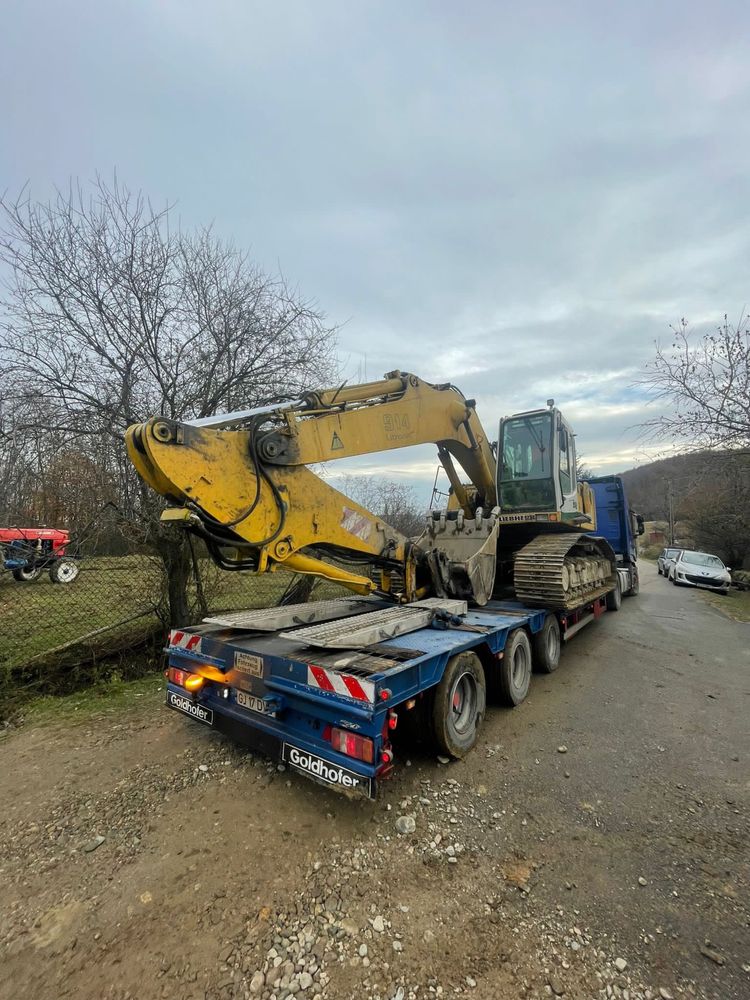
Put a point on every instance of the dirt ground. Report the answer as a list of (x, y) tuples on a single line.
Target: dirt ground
[(594, 844)]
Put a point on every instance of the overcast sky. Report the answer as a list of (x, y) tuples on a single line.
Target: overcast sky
[(516, 200)]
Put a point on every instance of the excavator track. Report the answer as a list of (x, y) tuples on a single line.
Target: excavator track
[(563, 571)]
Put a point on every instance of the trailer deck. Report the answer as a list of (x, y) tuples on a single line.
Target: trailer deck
[(288, 694)]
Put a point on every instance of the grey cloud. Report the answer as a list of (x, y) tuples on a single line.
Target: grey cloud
[(519, 199)]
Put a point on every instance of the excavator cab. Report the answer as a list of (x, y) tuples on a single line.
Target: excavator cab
[(536, 468)]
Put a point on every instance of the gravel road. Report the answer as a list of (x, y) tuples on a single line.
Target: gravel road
[(594, 844)]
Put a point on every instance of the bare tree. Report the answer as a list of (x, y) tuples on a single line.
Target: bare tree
[(583, 471), (112, 314), (705, 385), (718, 510)]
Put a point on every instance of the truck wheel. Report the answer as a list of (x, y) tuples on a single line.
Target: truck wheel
[(24, 575), (63, 571), (614, 597), (635, 585), (459, 705), (514, 675), (546, 646)]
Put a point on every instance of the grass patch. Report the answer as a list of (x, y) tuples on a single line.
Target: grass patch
[(102, 698), (736, 604), (108, 593)]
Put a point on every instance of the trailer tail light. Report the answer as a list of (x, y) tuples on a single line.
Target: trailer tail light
[(186, 679), (360, 747)]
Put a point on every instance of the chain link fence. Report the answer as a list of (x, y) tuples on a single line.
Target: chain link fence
[(112, 617)]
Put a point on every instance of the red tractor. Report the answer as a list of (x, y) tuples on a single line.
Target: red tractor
[(27, 552)]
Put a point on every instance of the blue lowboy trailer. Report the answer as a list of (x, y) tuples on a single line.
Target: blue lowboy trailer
[(322, 686)]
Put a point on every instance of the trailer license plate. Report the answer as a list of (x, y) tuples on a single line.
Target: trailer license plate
[(253, 703)]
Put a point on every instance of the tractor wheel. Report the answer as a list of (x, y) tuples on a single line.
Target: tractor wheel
[(27, 575), (63, 571)]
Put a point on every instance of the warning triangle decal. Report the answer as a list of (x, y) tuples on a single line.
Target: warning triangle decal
[(336, 442)]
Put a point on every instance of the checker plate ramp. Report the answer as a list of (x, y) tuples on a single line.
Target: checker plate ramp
[(290, 615), (378, 626)]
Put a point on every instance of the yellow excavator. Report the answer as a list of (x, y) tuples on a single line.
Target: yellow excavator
[(244, 482)]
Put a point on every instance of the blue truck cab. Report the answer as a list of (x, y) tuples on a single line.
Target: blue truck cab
[(620, 525)]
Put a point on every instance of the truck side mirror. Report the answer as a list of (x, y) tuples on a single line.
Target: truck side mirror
[(641, 525)]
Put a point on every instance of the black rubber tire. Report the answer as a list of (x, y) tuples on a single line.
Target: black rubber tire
[(658, 570), (546, 646), (614, 597), (27, 575), (459, 705), (635, 588), (514, 675), (63, 571)]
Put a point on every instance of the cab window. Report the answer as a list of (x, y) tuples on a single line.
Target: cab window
[(566, 471)]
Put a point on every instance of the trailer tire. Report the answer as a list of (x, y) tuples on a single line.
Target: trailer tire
[(514, 675), (614, 597), (63, 571), (23, 575), (459, 705), (546, 646)]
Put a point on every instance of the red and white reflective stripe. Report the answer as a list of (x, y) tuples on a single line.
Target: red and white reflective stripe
[(332, 680), (184, 640)]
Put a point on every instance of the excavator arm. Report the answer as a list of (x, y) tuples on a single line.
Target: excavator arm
[(242, 481)]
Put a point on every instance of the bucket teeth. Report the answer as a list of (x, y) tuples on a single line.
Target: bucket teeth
[(562, 571)]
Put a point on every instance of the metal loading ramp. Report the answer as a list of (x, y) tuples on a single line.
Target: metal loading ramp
[(376, 627), (290, 615)]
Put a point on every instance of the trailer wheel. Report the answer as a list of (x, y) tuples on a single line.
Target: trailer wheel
[(459, 705), (63, 571), (546, 646), (514, 675), (614, 597), (27, 575)]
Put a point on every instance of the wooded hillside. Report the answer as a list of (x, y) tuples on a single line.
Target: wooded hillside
[(711, 491)]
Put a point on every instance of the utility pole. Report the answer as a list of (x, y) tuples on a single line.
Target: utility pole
[(670, 509)]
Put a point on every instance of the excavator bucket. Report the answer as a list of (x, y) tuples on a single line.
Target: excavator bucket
[(462, 554)]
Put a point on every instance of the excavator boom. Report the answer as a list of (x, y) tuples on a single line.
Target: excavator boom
[(243, 482)]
